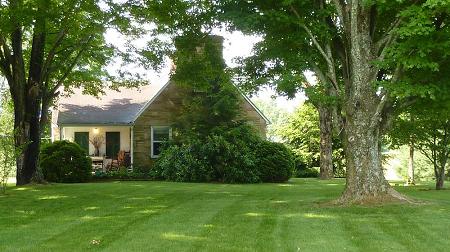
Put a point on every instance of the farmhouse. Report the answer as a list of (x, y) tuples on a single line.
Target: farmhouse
[(131, 121)]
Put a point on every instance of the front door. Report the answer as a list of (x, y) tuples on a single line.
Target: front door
[(82, 139), (112, 144)]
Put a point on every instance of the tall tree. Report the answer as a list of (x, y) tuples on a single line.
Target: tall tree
[(426, 127), (357, 49), (349, 46), (303, 134), (46, 46)]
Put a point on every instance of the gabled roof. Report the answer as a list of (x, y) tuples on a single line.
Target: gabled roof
[(114, 108)]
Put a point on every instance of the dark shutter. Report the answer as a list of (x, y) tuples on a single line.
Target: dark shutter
[(112, 144), (82, 139)]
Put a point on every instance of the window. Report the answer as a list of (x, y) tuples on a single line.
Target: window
[(160, 135)]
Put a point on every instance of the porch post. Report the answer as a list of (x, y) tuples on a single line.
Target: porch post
[(132, 145)]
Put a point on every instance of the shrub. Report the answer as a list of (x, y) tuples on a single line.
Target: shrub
[(232, 160), (235, 155), (180, 163), (226, 155), (305, 172), (66, 162), (275, 162)]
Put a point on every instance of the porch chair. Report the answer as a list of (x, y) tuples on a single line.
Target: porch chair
[(119, 161)]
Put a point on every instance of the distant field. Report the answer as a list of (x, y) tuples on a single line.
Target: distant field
[(162, 216)]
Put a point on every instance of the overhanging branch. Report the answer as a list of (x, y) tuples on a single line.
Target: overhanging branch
[(313, 38)]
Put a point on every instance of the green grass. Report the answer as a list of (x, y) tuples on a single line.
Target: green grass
[(162, 216)]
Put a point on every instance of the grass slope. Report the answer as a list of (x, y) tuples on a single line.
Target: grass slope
[(160, 216)]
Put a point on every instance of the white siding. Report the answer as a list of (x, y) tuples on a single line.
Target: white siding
[(68, 133)]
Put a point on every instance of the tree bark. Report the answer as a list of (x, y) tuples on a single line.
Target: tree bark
[(411, 166), (363, 118), (326, 151), (439, 170), (440, 178), (27, 93)]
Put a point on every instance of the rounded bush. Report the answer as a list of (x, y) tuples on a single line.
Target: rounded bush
[(65, 162), (275, 162)]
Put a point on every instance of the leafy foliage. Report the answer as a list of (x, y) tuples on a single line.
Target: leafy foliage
[(65, 162), (302, 134), (275, 162), (426, 126), (212, 140), (7, 150), (278, 117), (227, 156), (423, 170), (235, 156)]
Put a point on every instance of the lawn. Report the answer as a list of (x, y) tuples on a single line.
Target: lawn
[(162, 216)]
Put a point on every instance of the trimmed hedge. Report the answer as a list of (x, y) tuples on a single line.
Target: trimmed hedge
[(65, 162)]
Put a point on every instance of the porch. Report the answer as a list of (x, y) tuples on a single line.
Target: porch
[(102, 143)]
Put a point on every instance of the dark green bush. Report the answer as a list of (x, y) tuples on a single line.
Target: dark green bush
[(275, 162), (66, 162), (180, 163), (232, 159), (233, 155)]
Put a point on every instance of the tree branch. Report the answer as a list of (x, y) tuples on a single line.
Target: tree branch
[(51, 54), (340, 8), (5, 59), (71, 66), (313, 38), (386, 41)]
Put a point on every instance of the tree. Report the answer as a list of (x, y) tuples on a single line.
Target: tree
[(429, 127), (7, 152), (277, 115), (302, 133), (402, 134), (349, 46), (47, 46)]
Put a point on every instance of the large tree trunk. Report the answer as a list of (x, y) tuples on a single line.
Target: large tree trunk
[(365, 178), (27, 132), (363, 117), (411, 166), (326, 151), (27, 99), (21, 131)]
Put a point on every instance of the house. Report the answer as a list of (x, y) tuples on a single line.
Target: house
[(132, 120)]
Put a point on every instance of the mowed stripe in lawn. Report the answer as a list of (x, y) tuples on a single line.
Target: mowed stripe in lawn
[(163, 216)]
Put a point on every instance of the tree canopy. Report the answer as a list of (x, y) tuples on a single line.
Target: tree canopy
[(47, 46)]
